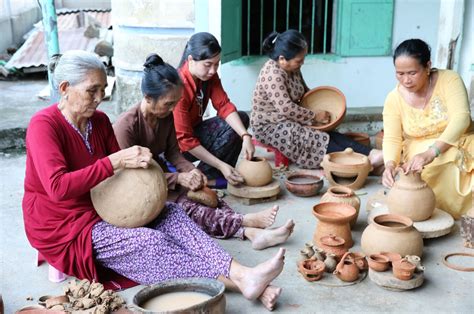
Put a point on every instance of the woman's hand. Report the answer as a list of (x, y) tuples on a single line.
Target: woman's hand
[(388, 176), (247, 147), (232, 176), (132, 157), (193, 180), (418, 161), (322, 117)]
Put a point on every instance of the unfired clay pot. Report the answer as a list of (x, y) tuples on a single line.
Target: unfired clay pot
[(303, 183), (333, 218), (204, 196), (346, 168), (403, 269), (256, 172), (131, 197), (345, 195), (410, 196), (392, 233), (333, 244), (378, 262)]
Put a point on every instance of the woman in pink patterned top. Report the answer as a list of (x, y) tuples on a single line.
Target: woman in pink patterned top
[(277, 119)]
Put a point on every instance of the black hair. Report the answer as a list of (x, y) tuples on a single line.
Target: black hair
[(414, 48), (287, 44), (158, 77), (201, 46)]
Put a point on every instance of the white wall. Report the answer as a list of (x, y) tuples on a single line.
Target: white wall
[(364, 81)]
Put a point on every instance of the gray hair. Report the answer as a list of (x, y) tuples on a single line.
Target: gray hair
[(73, 66)]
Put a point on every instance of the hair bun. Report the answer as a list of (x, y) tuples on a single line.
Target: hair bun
[(153, 60)]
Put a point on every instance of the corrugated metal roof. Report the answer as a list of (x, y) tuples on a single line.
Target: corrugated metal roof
[(32, 56)]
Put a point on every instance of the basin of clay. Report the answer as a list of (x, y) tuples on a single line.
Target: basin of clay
[(303, 183), (187, 295), (326, 98)]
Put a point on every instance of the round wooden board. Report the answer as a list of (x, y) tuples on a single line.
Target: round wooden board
[(439, 224), (386, 280), (269, 190)]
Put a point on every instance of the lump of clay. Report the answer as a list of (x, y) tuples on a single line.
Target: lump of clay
[(131, 197), (204, 196)]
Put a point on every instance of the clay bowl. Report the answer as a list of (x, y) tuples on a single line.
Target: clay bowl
[(378, 262), (214, 288), (360, 137), (303, 183), (329, 99)]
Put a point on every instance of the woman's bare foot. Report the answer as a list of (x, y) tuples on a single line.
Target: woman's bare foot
[(252, 282), (270, 296), (264, 238), (262, 219), (376, 158)]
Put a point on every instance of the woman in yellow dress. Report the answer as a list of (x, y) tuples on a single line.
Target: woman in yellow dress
[(428, 128)]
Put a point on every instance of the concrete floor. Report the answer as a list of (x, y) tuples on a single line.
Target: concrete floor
[(444, 290)]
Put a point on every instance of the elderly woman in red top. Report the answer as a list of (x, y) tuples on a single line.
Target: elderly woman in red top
[(217, 142), (71, 148)]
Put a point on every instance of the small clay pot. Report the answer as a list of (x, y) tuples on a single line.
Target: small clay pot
[(347, 270), (303, 183), (204, 196), (256, 172), (403, 269), (360, 260), (331, 262), (392, 256), (312, 270), (333, 244), (378, 262)]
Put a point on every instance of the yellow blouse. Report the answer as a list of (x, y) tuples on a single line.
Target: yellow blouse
[(445, 118)]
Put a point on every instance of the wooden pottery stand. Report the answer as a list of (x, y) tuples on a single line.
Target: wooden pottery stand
[(438, 225), (250, 195), (387, 280)]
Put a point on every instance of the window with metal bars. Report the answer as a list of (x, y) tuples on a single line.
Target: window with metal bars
[(313, 18)]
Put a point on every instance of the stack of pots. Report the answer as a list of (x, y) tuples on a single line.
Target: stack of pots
[(333, 219)]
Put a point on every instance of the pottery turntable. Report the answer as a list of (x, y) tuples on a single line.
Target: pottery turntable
[(259, 186)]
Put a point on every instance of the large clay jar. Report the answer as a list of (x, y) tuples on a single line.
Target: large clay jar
[(410, 196), (345, 195), (131, 197), (256, 172), (333, 218), (346, 168), (392, 233)]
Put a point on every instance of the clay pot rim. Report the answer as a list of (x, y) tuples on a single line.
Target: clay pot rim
[(302, 174), (341, 112), (332, 240), (346, 191), (379, 258), (257, 159), (405, 221), (346, 212)]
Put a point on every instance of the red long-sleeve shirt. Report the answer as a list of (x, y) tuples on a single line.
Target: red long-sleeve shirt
[(186, 113), (60, 172)]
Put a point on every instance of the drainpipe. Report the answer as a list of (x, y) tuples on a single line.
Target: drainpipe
[(50, 25)]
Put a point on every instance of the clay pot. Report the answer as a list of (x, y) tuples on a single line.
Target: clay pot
[(379, 140), (256, 172), (415, 260), (333, 244), (303, 183), (360, 260), (204, 196), (392, 233), (359, 137), (333, 219), (346, 168), (329, 99), (311, 269), (410, 196), (392, 257), (403, 269), (131, 197), (346, 269), (345, 195), (378, 262), (214, 288)]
